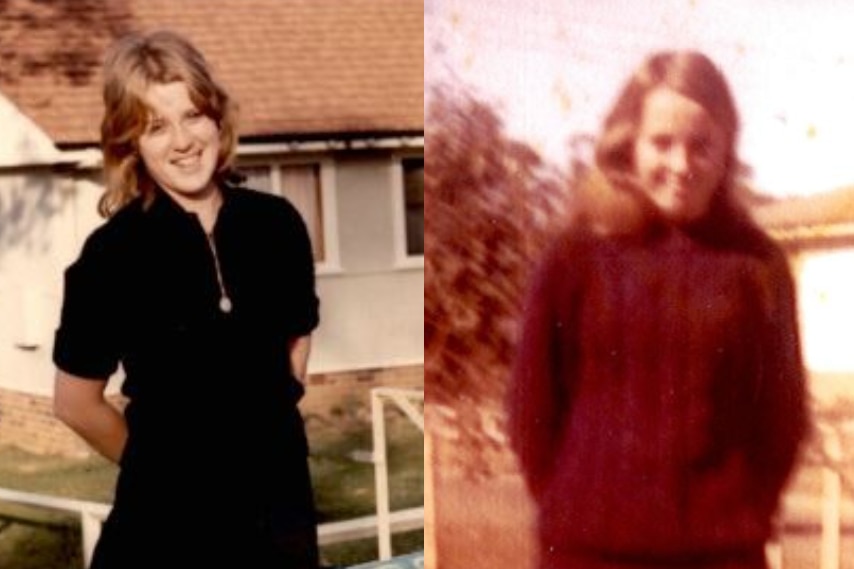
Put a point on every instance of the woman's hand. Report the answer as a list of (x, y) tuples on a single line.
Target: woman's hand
[(80, 403)]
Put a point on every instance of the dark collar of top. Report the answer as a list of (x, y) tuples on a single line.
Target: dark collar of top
[(165, 208)]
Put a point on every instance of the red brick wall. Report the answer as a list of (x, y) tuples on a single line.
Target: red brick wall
[(27, 421), (326, 391)]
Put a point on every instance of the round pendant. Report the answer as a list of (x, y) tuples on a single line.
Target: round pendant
[(225, 304)]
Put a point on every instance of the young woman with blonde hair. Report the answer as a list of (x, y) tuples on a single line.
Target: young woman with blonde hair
[(204, 293)]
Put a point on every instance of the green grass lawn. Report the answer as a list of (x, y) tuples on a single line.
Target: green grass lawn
[(33, 538)]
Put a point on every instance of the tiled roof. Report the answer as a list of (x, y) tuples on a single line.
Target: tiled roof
[(298, 68)]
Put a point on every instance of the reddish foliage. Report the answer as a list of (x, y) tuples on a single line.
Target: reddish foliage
[(491, 204)]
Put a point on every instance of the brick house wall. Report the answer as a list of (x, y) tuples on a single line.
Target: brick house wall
[(27, 421)]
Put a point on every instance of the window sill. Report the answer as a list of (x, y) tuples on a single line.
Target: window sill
[(327, 269), (413, 262)]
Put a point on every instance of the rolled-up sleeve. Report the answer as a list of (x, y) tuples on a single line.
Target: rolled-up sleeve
[(303, 311)]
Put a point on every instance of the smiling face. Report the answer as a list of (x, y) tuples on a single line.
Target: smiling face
[(179, 145), (680, 155)]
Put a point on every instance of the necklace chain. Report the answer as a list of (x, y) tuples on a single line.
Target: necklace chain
[(224, 300)]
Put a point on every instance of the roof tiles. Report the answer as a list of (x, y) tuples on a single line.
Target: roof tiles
[(298, 68)]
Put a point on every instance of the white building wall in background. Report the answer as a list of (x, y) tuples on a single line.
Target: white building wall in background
[(371, 310), (827, 309), (23, 143), (44, 217)]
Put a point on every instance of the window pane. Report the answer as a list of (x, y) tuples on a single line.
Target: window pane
[(301, 185), (258, 178), (413, 187)]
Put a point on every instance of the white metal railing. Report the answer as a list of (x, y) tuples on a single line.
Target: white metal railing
[(829, 511), (405, 400), (366, 527), (382, 525), (831, 501), (93, 514)]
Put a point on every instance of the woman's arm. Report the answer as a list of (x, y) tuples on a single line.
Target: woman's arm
[(535, 393), (80, 403), (299, 348), (782, 417)]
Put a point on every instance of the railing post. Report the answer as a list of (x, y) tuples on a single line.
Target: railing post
[(774, 552), (831, 510), (91, 528), (430, 550), (381, 476)]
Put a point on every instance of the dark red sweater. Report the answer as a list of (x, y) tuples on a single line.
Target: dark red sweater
[(657, 402)]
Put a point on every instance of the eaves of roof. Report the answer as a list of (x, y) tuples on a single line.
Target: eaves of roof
[(298, 68)]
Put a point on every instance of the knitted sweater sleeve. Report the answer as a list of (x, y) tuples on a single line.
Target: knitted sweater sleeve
[(536, 397), (780, 398)]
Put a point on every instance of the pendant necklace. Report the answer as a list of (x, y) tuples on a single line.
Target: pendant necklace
[(224, 300)]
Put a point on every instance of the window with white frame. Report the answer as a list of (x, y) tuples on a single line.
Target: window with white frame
[(413, 204), (305, 185)]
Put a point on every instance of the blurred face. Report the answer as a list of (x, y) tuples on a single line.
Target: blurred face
[(179, 145), (680, 155)]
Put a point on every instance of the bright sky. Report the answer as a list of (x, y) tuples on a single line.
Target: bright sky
[(553, 67)]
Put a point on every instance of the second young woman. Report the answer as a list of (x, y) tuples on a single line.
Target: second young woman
[(657, 403)]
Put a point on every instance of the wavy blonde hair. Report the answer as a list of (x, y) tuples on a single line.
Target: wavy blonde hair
[(610, 195), (133, 64)]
